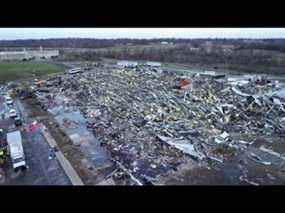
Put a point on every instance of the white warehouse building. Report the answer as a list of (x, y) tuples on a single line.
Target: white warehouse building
[(27, 55)]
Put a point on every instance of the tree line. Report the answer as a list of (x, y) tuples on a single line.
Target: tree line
[(247, 51), (274, 44), (183, 54)]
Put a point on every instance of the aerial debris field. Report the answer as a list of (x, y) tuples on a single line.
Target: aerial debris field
[(149, 126), (143, 126)]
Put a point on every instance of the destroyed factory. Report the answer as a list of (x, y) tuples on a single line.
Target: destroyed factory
[(142, 124)]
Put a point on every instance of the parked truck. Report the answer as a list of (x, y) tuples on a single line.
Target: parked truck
[(75, 70), (14, 140)]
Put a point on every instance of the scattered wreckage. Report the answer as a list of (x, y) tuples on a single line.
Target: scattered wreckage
[(151, 122)]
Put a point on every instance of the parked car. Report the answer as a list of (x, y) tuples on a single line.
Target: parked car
[(12, 113), (9, 101), (17, 121)]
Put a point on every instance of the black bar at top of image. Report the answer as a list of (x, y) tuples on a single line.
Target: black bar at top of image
[(142, 14)]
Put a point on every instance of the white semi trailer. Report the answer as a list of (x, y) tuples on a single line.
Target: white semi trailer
[(14, 140), (74, 70)]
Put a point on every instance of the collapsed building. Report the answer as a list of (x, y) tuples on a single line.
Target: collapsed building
[(151, 124)]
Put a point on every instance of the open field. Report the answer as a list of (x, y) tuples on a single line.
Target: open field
[(17, 69)]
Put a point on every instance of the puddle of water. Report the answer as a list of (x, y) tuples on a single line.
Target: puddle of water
[(74, 124)]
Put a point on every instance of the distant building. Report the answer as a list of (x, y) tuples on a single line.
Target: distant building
[(227, 47), (164, 42), (127, 64), (28, 55), (153, 64), (194, 49)]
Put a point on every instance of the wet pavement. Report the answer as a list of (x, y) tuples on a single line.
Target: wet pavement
[(43, 169), (74, 125)]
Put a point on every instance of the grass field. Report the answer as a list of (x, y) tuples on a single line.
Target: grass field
[(19, 69)]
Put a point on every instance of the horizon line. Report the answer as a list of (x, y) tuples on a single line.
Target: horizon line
[(157, 38)]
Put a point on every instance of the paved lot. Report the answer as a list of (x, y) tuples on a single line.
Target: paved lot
[(43, 170)]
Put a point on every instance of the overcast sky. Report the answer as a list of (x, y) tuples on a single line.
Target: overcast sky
[(38, 33)]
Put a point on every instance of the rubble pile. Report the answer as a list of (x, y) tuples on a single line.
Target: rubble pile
[(151, 122)]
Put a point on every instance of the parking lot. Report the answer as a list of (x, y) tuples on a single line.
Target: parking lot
[(43, 167)]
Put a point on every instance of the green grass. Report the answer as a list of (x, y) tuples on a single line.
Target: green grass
[(16, 70)]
